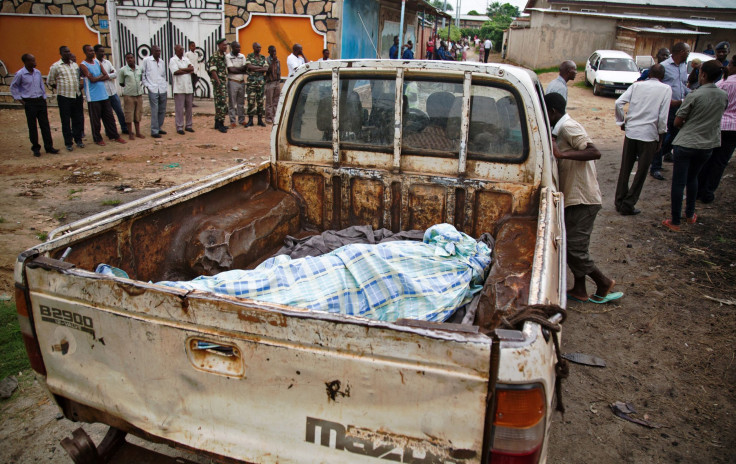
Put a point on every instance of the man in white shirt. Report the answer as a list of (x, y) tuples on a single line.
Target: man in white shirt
[(111, 87), (568, 71), (645, 126), (154, 78), (487, 45), (193, 58), (236, 69), (296, 59), (181, 70)]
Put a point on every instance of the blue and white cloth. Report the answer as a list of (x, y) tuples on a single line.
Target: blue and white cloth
[(425, 280)]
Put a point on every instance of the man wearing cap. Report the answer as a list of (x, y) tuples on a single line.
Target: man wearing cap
[(217, 67), (257, 68)]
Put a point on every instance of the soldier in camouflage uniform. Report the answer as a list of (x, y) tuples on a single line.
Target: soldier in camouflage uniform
[(257, 67), (217, 67)]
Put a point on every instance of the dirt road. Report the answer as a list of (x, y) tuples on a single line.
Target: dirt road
[(668, 343)]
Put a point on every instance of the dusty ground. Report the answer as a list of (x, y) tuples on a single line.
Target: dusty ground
[(669, 347)]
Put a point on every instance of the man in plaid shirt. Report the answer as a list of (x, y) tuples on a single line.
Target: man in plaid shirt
[(63, 78)]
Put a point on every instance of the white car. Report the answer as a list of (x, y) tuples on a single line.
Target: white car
[(702, 56), (610, 71)]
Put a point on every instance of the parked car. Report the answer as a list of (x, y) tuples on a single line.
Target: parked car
[(610, 71), (246, 380), (701, 56)]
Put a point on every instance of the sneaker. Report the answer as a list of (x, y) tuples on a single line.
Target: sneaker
[(692, 220), (69, 147), (189, 129), (120, 140)]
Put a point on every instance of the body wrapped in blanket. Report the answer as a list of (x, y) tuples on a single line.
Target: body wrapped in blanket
[(425, 280)]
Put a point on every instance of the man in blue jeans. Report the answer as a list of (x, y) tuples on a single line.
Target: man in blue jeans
[(154, 79), (699, 121), (675, 75), (111, 87)]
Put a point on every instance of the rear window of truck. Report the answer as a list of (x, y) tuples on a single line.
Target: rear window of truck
[(431, 112)]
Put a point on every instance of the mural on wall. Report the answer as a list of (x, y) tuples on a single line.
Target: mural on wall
[(282, 31), (42, 36), (141, 24)]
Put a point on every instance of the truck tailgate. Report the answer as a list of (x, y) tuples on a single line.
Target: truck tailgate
[(233, 377)]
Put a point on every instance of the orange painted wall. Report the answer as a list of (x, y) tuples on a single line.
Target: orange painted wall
[(41, 36), (282, 32)]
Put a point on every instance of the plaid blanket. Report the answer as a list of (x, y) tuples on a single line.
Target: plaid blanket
[(425, 280)]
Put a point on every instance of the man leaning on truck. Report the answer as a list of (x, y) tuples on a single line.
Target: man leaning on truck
[(575, 155)]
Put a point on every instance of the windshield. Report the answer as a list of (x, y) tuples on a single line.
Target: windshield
[(618, 64)]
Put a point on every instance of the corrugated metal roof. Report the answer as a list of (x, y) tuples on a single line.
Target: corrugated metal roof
[(661, 30), (657, 19), (713, 4)]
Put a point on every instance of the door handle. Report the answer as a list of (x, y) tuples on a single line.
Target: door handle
[(215, 357)]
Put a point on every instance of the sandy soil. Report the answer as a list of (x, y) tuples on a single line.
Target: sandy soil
[(668, 345)]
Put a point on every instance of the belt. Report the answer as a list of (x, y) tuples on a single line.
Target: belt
[(34, 98), (235, 80)]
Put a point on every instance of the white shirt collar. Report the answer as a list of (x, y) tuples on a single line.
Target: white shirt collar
[(558, 126)]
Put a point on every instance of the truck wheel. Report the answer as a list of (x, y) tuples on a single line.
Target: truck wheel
[(596, 89)]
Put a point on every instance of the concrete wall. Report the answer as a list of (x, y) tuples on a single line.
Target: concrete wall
[(553, 38)]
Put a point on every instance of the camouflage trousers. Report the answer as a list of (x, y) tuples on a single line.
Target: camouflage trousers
[(220, 94), (255, 99)]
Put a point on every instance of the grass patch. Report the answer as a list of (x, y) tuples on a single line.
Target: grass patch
[(2, 219), (42, 236), (14, 358), (110, 202), (60, 216), (71, 193), (581, 68), (581, 84)]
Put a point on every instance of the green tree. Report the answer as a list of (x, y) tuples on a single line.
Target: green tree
[(494, 28), (473, 13), (506, 9), (454, 33), (440, 4)]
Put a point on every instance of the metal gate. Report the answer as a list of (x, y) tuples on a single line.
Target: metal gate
[(137, 25)]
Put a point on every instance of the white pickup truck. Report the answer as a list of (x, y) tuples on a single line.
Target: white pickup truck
[(389, 144)]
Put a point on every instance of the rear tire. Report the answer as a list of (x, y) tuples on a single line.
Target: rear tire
[(596, 89)]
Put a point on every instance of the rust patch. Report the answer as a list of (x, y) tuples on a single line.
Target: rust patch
[(275, 320), (333, 390), (130, 289)]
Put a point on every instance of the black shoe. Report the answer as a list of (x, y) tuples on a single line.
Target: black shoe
[(707, 198), (80, 144), (657, 175), (53, 151), (180, 132), (69, 147), (36, 153), (630, 212), (162, 132), (156, 136), (260, 122), (189, 129), (250, 122), (222, 129)]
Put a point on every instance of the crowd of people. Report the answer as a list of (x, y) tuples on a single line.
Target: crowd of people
[(693, 115), (235, 78)]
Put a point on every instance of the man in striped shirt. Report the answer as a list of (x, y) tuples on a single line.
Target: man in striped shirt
[(712, 172), (64, 80)]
